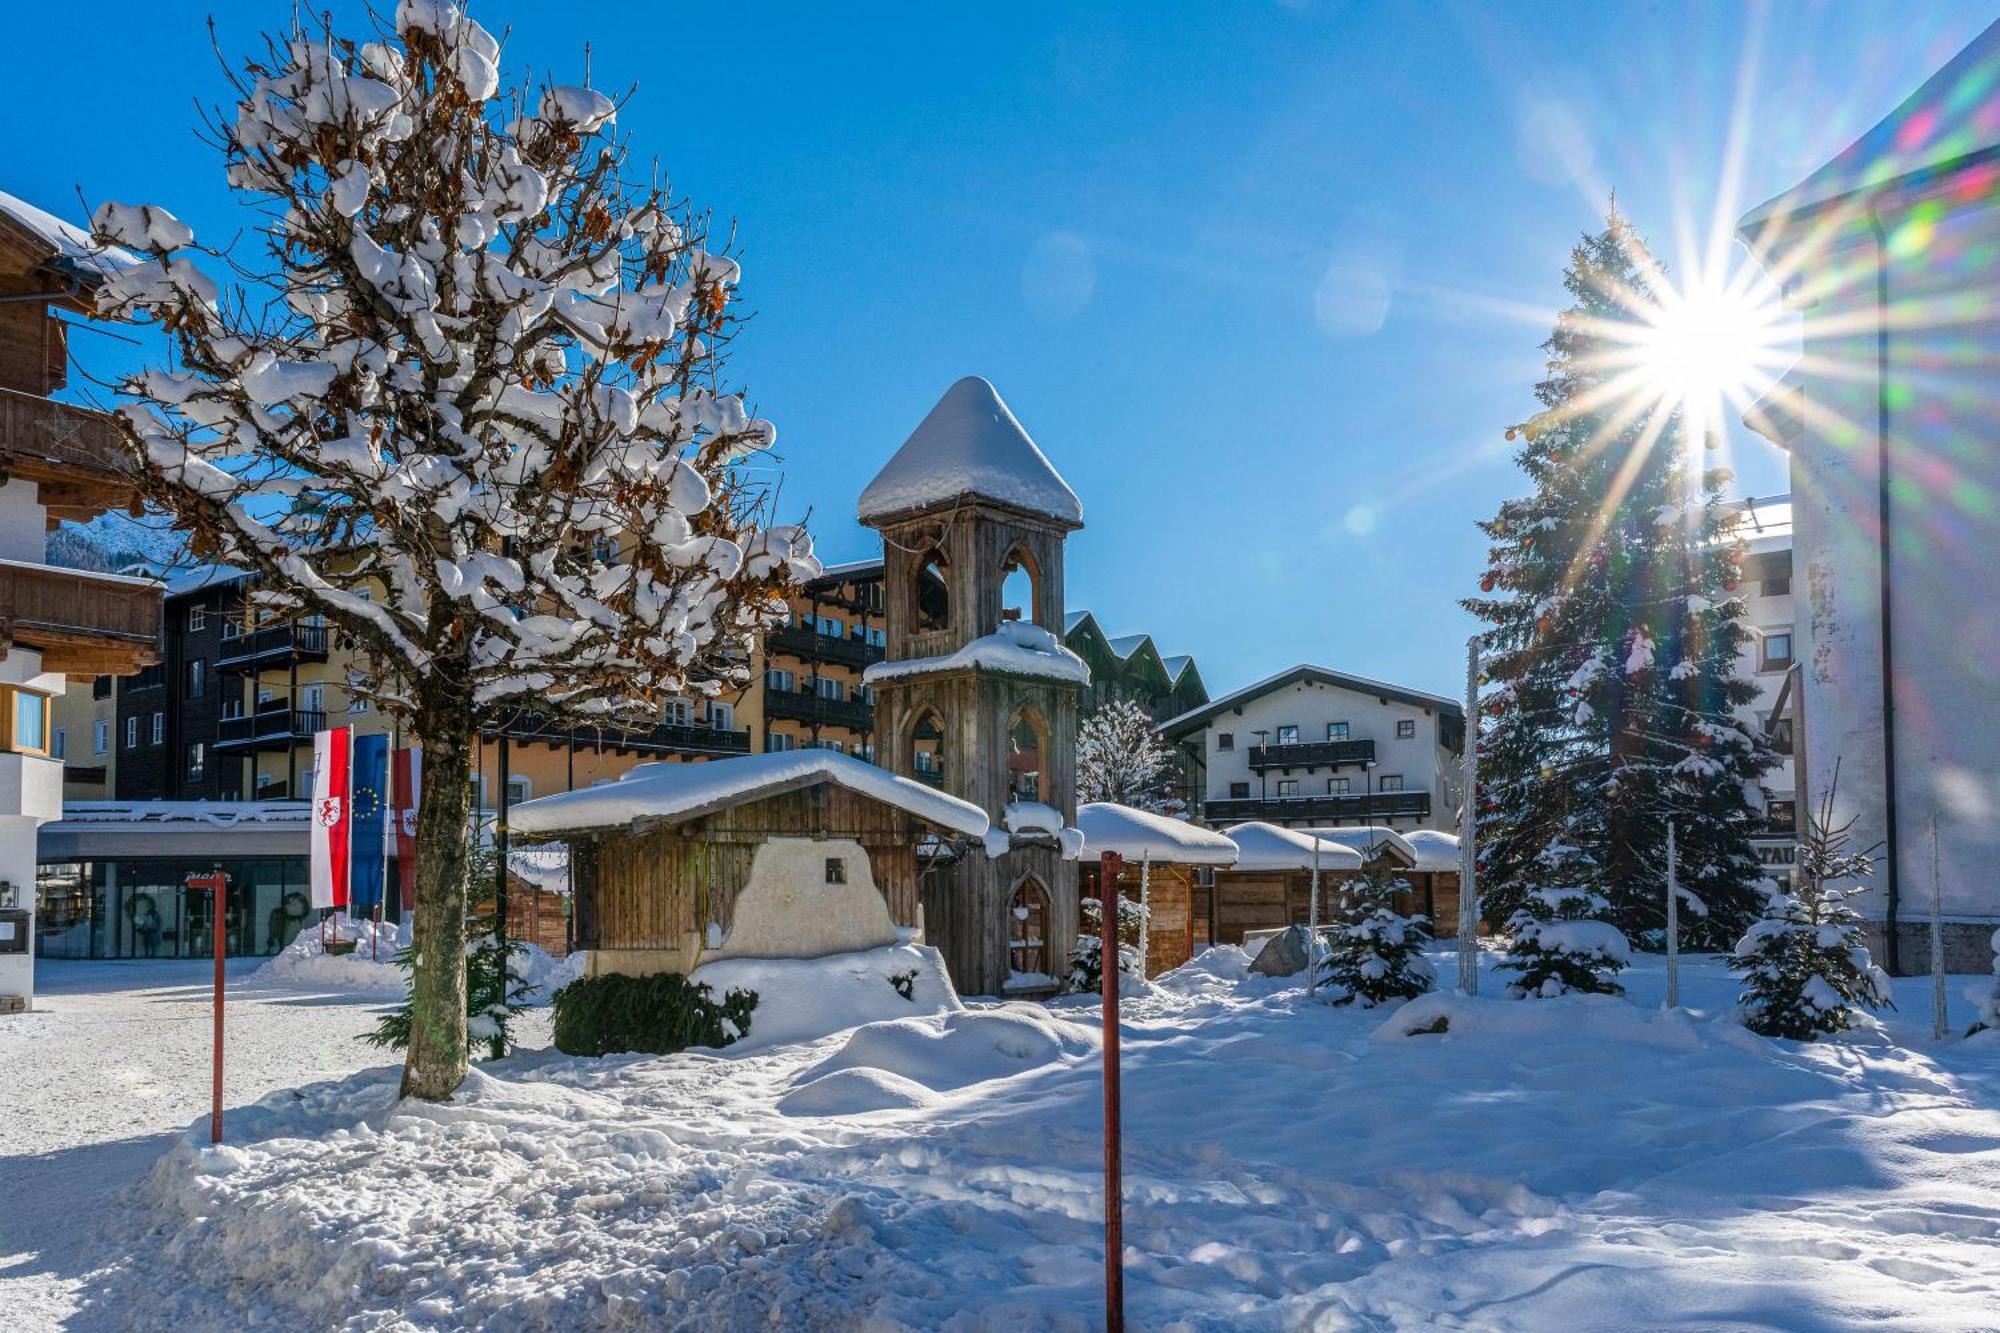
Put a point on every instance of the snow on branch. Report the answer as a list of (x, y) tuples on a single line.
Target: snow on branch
[(473, 409)]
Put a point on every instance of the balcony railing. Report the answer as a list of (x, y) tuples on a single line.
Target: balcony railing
[(1311, 754), (667, 738), (1320, 809), (802, 706), (248, 652), (272, 726), (62, 440), (84, 623), (812, 646)]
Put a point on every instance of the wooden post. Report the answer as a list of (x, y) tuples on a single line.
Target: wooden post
[(1468, 833), (1938, 1002), (216, 883), (1673, 924), (1109, 866)]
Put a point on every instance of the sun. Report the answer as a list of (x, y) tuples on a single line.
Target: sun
[(1708, 349)]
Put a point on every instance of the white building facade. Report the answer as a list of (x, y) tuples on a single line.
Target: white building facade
[(1765, 527), (1891, 418), (1316, 748)]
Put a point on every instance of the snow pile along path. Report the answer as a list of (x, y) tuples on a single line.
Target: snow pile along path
[(369, 966), (1572, 1163)]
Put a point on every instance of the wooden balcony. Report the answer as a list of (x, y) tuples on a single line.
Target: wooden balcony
[(85, 624), (272, 645), (273, 726), (1311, 754), (75, 457), (811, 646), (803, 706)]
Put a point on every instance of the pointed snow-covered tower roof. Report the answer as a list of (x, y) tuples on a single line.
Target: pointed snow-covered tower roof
[(970, 447)]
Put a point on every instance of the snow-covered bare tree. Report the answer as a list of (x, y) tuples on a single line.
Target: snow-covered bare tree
[(466, 402), (1119, 758)]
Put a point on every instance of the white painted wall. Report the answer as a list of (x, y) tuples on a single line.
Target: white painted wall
[(788, 909), (1422, 762), (30, 795), (23, 523)]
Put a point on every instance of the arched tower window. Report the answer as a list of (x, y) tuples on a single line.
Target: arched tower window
[(1019, 584), (1027, 746), (933, 592), (1028, 936), (927, 748)]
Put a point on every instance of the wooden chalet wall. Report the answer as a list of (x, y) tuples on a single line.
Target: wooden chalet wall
[(1179, 929), (1265, 899), (652, 888)]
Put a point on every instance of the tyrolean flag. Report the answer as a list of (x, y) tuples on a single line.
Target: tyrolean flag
[(331, 817)]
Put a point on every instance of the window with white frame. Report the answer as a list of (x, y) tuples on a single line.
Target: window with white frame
[(1288, 735), (1389, 782), (780, 741), (721, 716), (132, 732), (1288, 786), (1774, 650), (100, 736), (1337, 786), (159, 728), (781, 680), (1336, 731)]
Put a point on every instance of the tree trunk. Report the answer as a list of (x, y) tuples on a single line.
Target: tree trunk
[(436, 1062)]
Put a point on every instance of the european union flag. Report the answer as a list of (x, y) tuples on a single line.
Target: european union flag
[(368, 859)]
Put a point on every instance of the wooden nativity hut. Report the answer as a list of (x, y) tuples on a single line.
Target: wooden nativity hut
[(793, 854), (1163, 863), (1270, 886)]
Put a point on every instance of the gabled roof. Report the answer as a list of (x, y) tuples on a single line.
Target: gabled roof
[(1071, 619), (1305, 671), (969, 447), (1954, 115), (70, 251), (1139, 835), (1175, 665), (1436, 851), (674, 793), (1372, 840)]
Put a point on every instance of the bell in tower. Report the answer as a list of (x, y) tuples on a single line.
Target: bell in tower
[(977, 694)]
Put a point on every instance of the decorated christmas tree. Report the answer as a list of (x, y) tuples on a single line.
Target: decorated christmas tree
[(1805, 965), (1616, 628), (1375, 953)]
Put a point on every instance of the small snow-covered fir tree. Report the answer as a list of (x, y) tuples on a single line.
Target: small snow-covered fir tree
[(1120, 758), (1561, 940), (1987, 997), (469, 408), (1805, 965), (1086, 960), (1616, 633), (1374, 952)]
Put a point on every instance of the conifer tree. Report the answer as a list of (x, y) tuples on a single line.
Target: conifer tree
[(1375, 953), (1616, 626), (1805, 965), (1559, 938)]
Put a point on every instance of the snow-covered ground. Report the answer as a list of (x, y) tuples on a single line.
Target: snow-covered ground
[(1573, 1163)]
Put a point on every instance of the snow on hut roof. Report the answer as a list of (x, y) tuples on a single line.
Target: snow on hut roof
[(1370, 838), (1138, 835), (1261, 846), (672, 792), (1436, 852), (1946, 121), (1019, 649), (969, 446), (71, 247)]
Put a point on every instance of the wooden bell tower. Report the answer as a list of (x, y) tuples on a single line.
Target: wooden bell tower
[(968, 698)]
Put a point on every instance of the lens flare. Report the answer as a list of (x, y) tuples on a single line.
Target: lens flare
[(1707, 350)]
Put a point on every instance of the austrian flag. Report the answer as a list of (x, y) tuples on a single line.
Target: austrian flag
[(331, 816)]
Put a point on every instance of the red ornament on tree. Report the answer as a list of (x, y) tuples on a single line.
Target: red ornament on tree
[(1486, 583)]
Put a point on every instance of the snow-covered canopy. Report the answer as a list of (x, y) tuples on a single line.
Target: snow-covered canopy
[(1436, 852), (1029, 820), (970, 446), (1261, 846), (203, 814), (1019, 649), (1139, 835), (1370, 840), (671, 793)]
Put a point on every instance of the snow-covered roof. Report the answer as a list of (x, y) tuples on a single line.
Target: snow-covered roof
[(181, 582), (192, 814), (1029, 819), (1436, 852), (1764, 525), (849, 569), (969, 446), (1306, 671), (1261, 846), (1127, 644), (1176, 666), (1139, 835), (1369, 839), (1946, 121), (71, 246), (1019, 649), (672, 792), (1071, 619)]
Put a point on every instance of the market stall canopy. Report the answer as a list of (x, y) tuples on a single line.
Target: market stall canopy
[(1262, 846), (1371, 840), (1140, 835), (1437, 853)]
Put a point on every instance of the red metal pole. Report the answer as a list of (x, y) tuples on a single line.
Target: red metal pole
[(216, 882), (1108, 867)]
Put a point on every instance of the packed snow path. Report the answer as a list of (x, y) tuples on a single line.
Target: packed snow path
[(1551, 1164)]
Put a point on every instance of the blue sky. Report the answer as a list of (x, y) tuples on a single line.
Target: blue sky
[(1266, 281)]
